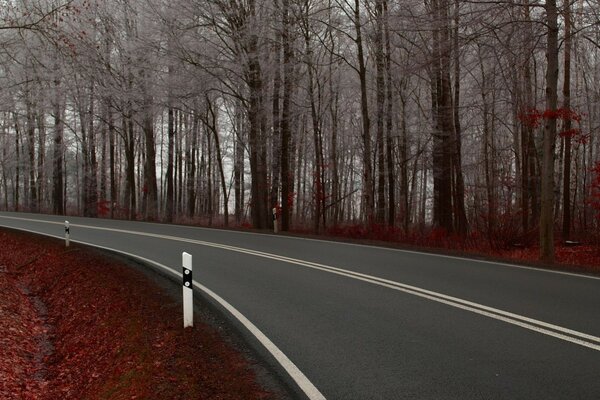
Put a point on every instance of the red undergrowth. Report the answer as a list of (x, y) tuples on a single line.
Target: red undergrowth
[(115, 334), (582, 256)]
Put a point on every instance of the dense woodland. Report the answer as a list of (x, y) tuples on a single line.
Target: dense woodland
[(469, 118)]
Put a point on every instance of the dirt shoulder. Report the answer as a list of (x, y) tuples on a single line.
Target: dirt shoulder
[(75, 324)]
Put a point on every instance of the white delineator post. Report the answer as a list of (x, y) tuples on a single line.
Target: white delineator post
[(188, 293), (67, 233), (275, 219)]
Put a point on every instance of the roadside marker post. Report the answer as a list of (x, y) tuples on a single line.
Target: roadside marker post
[(188, 293), (67, 233), (275, 220)]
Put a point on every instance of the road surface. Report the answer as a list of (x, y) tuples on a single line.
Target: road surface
[(362, 322)]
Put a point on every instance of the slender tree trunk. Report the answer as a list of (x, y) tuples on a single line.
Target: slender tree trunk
[(369, 204), (566, 220), (286, 173), (92, 189), (317, 136), (403, 165), (389, 132), (180, 167), (111, 145), (238, 171), (41, 160), (547, 192), (57, 171), (214, 129), (380, 83), (441, 104), (18, 163), (31, 151), (256, 141), (170, 190), (150, 188), (459, 190), (191, 149), (130, 191), (276, 123)]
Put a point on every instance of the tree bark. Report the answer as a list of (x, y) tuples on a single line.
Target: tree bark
[(286, 172), (369, 204), (57, 162), (169, 206), (547, 190), (566, 220)]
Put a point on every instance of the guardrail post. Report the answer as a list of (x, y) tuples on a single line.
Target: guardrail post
[(275, 219), (67, 233), (188, 293)]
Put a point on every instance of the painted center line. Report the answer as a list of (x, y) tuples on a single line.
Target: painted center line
[(556, 331)]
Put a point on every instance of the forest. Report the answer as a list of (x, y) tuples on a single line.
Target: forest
[(472, 119)]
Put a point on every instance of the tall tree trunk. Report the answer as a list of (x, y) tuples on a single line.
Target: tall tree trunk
[(459, 190), (256, 138), (238, 168), (369, 204), (129, 139), (18, 162), (111, 146), (566, 220), (57, 162), (286, 171), (170, 189), (190, 155), (31, 151), (441, 104), (547, 191), (276, 123), (92, 189), (150, 188), (213, 126), (389, 133), (319, 193), (380, 83), (41, 160)]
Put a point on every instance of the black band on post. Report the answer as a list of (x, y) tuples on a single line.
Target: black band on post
[(187, 278)]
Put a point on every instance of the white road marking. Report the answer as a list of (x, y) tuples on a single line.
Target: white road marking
[(542, 327), (288, 365), (369, 246)]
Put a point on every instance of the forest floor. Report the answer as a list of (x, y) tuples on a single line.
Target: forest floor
[(78, 324), (577, 256), (582, 255)]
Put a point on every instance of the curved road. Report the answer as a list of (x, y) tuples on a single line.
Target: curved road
[(364, 322)]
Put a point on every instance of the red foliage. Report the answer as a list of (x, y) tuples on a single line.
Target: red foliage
[(533, 118), (571, 133), (21, 374), (372, 231), (103, 208), (504, 242), (113, 332)]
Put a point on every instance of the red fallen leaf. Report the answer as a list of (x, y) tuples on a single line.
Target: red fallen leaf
[(107, 324)]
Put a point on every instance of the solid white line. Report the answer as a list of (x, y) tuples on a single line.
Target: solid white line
[(505, 316), (292, 370), (369, 246)]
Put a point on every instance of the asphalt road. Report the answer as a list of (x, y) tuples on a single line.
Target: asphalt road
[(364, 322)]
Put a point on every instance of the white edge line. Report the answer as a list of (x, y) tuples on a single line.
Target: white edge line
[(460, 303), (333, 241), (515, 319), (293, 371)]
